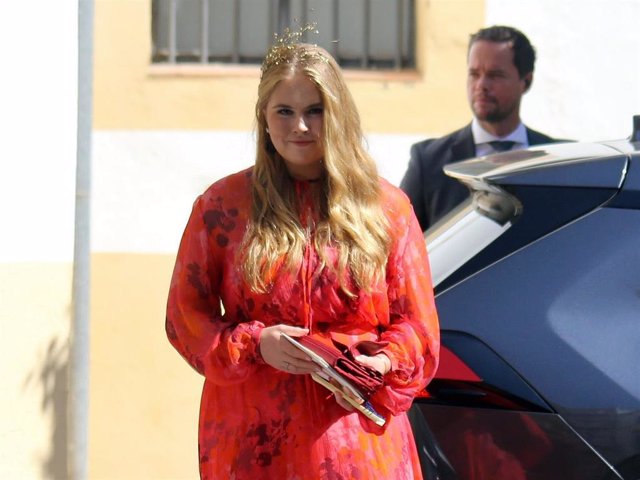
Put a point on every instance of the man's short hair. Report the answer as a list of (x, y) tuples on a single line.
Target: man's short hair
[(524, 55)]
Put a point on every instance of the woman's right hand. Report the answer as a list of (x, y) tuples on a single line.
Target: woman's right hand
[(278, 352)]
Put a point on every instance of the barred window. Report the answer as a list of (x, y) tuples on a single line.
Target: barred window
[(363, 34)]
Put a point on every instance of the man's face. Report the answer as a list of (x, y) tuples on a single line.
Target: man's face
[(494, 86)]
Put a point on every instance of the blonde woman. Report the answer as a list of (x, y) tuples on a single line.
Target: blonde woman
[(309, 241)]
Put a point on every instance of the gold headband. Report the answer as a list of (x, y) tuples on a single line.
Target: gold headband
[(285, 44)]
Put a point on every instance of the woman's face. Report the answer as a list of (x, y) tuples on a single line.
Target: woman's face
[(294, 116)]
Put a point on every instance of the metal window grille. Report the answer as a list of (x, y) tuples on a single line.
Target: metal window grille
[(365, 34)]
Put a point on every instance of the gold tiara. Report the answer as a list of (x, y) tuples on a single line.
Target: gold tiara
[(284, 44)]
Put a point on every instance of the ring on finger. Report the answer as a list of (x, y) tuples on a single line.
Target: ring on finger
[(286, 365)]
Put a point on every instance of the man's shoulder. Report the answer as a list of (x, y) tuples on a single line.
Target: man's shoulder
[(431, 154), (538, 138), (444, 142)]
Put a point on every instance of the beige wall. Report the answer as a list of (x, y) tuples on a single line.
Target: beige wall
[(34, 329), (129, 94), (144, 398), (160, 138)]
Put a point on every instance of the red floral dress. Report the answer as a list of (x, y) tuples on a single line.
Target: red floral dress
[(257, 422)]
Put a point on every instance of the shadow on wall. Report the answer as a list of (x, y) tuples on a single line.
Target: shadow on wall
[(52, 374)]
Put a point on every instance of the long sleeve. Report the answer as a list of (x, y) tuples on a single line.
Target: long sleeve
[(413, 332), (222, 350)]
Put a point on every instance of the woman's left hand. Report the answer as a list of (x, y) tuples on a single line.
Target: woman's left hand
[(379, 362)]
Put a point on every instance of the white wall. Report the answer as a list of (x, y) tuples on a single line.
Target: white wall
[(38, 105), (587, 78), (145, 182), (38, 96)]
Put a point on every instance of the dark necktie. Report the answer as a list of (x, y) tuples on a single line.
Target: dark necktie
[(502, 145)]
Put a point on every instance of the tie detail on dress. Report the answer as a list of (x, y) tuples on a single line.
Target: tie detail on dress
[(502, 145)]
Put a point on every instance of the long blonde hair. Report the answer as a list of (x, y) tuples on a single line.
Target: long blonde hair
[(349, 204)]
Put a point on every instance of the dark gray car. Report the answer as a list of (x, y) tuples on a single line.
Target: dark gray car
[(538, 290)]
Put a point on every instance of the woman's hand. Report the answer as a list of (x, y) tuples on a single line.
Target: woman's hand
[(379, 362), (280, 354)]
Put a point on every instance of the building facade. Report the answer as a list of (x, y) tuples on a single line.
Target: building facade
[(161, 133)]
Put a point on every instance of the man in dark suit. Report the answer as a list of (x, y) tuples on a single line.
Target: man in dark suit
[(500, 70)]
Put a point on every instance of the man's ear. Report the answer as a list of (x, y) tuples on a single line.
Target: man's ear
[(528, 79)]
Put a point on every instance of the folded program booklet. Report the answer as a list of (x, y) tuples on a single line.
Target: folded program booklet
[(331, 379)]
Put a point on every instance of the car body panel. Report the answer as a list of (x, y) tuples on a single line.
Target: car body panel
[(629, 196), (538, 294), (578, 352)]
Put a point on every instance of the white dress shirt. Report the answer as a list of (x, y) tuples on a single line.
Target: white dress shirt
[(482, 138)]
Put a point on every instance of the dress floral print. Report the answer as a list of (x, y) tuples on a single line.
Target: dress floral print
[(257, 422)]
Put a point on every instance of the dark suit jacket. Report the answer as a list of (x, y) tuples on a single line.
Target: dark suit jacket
[(432, 193)]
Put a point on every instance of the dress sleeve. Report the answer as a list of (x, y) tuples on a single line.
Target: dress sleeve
[(413, 333), (223, 351)]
